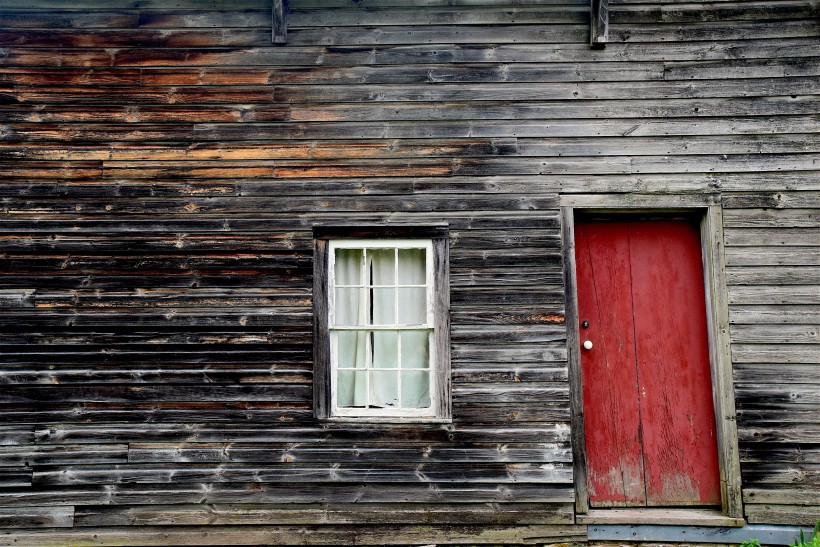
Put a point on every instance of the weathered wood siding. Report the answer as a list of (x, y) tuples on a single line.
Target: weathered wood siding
[(162, 165)]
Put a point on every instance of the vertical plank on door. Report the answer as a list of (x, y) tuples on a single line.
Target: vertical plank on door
[(613, 448), (675, 389)]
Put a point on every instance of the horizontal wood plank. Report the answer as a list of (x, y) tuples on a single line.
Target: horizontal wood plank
[(336, 514), (36, 517), (283, 535)]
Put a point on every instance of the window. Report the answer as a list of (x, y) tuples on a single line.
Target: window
[(382, 334)]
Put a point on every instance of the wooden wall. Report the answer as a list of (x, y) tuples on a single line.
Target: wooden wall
[(162, 165)]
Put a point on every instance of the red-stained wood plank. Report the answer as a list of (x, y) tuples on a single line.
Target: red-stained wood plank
[(677, 413), (614, 460)]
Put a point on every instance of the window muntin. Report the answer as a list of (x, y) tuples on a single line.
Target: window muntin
[(381, 327)]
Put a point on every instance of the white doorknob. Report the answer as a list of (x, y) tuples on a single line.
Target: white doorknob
[(588, 344)]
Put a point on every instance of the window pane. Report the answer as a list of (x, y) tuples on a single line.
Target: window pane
[(351, 349), (348, 266), (382, 266), (350, 307), (385, 349), (351, 389), (384, 306), (412, 267), (384, 389), (415, 349), (412, 306), (415, 389)]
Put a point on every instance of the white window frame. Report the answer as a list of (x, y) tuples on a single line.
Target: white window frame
[(429, 326), (435, 235)]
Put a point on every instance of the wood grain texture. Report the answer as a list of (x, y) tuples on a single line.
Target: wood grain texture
[(641, 294), (674, 373), (162, 168), (599, 23), (279, 17), (285, 535), (614, 453), (720, 340), (37, 517), (338, 514)]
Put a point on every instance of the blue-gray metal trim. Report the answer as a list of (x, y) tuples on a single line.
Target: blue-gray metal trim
[(765, 533)]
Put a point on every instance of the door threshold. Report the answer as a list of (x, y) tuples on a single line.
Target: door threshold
[(660, 515)]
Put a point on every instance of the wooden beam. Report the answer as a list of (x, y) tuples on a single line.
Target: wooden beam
[(717, 312), (665, 516), (37, 517), (280, 27), (299, 534), (767, 534), (574, 361), (599, 23)]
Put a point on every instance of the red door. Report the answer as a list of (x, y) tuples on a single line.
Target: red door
[(649, 417)]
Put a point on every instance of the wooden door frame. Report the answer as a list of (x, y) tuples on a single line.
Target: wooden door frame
[(717, 314)]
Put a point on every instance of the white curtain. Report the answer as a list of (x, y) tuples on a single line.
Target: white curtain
[(384, 384), (379, 301), (351, 310)]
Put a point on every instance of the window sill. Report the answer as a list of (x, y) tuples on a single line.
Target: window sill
[(660, 516), (386, 420)]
